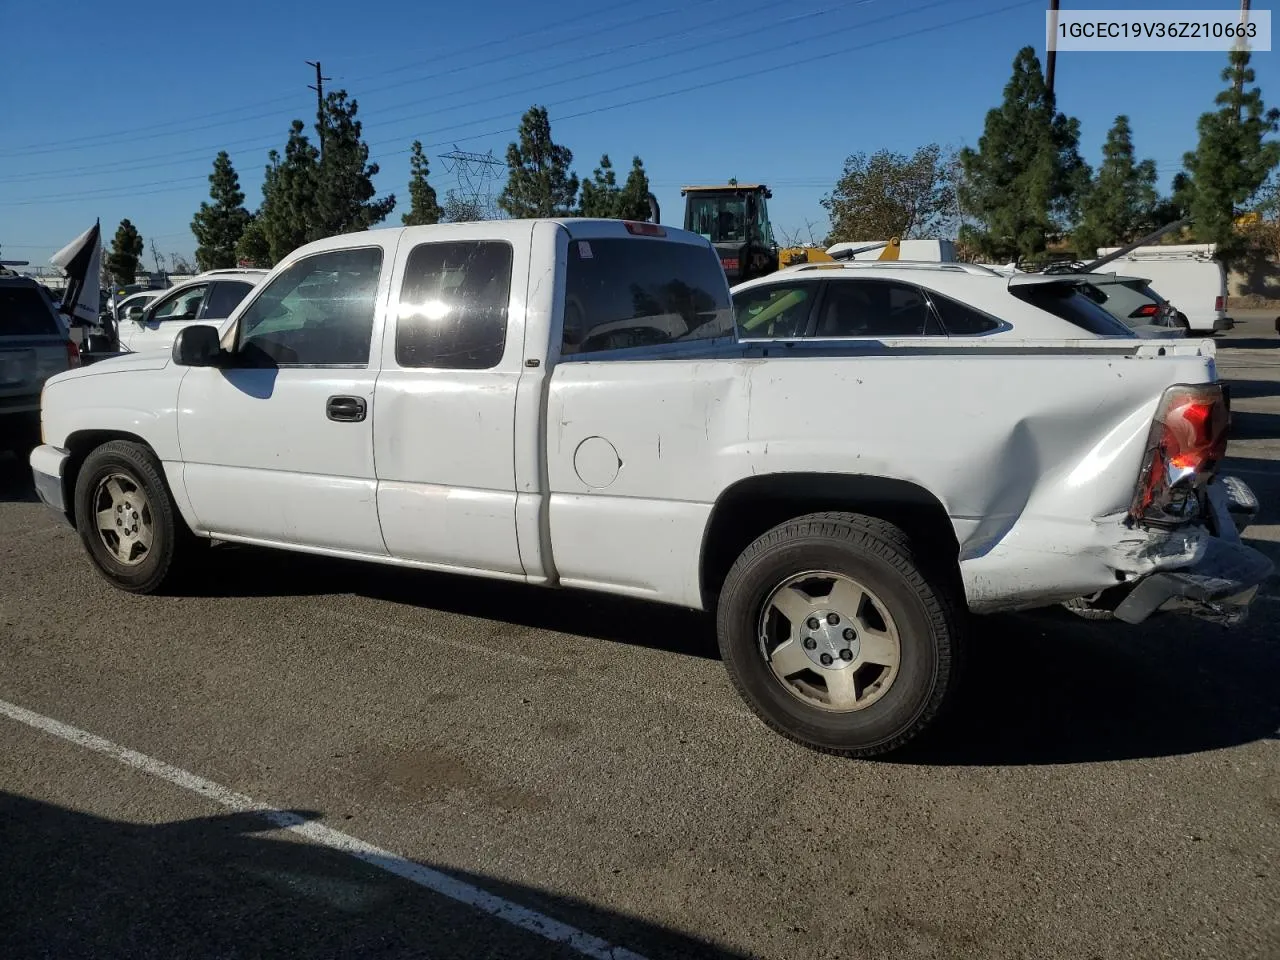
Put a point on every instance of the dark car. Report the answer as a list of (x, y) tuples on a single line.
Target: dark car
[(34, 345)]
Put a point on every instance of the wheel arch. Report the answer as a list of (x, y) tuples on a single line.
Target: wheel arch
[(753, 505), (79, 445)]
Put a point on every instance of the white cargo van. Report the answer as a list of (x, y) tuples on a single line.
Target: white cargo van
[(1189, 276)]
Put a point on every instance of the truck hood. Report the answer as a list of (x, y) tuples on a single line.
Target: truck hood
[(119, 364)]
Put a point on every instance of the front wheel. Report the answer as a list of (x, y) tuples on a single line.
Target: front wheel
[(127, 519), (836, 637)]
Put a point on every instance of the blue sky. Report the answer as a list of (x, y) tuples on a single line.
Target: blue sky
[(114, 111)]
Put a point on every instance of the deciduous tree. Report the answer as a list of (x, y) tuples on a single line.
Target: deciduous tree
[(892, 195)]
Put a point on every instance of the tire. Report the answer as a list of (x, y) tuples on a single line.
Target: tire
[(866, 707), (143, 504)]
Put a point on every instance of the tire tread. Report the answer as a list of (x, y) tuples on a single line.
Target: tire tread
[(892, 545)]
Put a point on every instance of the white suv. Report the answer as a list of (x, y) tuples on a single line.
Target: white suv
[(890, 301), (206, 298)]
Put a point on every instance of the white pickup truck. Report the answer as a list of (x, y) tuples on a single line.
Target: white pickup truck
[(567, 403)]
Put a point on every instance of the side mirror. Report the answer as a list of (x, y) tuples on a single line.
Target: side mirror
[(134, 313), (98, 343), (197, 346)]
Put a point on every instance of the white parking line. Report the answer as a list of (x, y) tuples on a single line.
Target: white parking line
[(433, 880)]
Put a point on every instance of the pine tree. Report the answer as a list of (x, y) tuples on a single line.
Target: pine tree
[(600, 194), (1024, 181), (424, 208), (218, 226), (1233, 158), (633, 203), (289, 213), (539, 182), (1120, 203), (126, 248), (344, 180), (253, 247)]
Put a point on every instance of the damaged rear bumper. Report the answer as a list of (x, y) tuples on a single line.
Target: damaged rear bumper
[(1224, 579)]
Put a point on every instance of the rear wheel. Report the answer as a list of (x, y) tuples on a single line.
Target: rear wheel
[(127, 519), (835, 635)]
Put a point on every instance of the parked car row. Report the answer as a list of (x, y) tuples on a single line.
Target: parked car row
[(582, 403)]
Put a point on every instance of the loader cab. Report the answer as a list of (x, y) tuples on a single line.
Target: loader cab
[(735, 218)]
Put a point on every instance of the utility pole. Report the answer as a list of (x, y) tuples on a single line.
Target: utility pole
[(1241, 45), (319, 89), (1051, 55)]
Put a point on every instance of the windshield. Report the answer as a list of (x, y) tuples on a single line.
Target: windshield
[(1069, 302), (726, 218)]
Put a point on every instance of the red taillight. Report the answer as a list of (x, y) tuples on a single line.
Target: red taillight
[(642, 228), (1188, 437), (1219, 304), (73, 354), (1146, 310)]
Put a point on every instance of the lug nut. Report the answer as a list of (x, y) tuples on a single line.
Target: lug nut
[(832, 619), (826, 659), (813, 623), (846, 654), (848, 633), (810, 643), (119, 522)]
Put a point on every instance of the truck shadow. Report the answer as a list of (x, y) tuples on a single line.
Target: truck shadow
[(232, 570), (15, 480), (78, 885), (1049, 688), (1039, 688)]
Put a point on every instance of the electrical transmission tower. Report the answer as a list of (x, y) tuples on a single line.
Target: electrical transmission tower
[(475, 174)]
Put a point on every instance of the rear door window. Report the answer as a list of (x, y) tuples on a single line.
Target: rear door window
[(637, 292), (225, 297), (875, 308), (24, 312), (1068, 302), (453, 305), (960, 320)]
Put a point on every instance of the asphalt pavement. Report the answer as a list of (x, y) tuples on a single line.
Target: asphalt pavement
[(313, 758)]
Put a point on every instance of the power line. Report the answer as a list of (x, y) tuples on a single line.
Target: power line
[(657, 96), (117, 139), (696, 68), (132, 164), (239, 110)]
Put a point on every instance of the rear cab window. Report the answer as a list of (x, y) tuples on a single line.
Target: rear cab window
[(24, 312), (625, 292), (1067, 301), (875, 308)]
